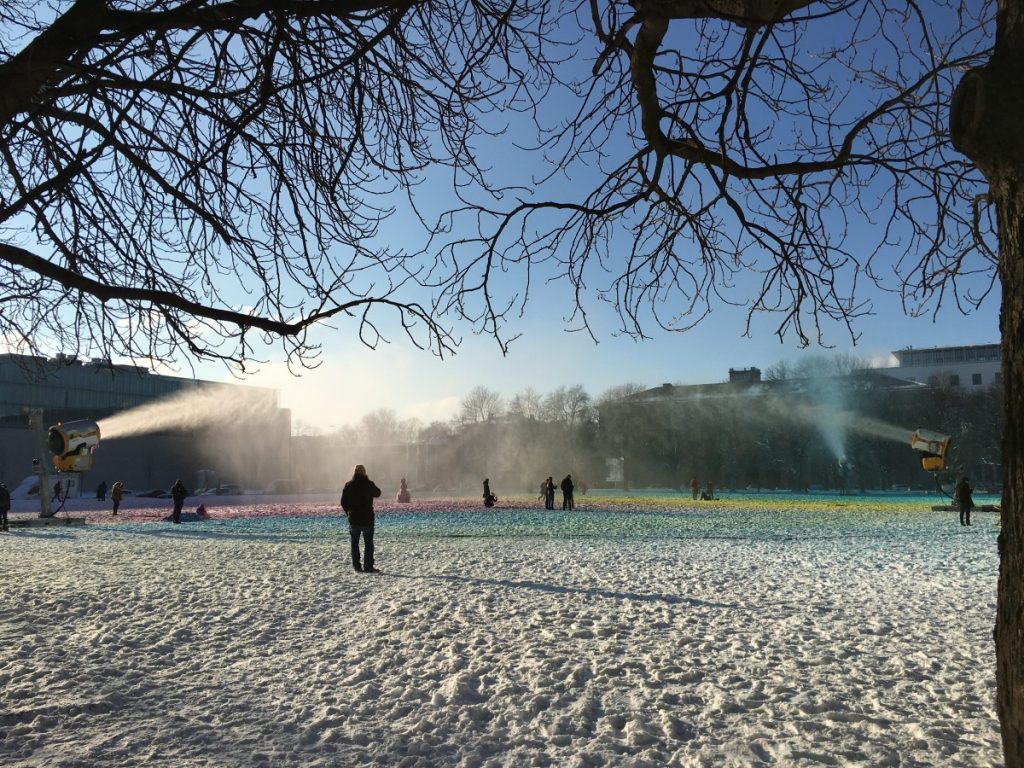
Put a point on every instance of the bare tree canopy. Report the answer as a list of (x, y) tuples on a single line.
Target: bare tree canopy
[(179, 176), (777, 155)]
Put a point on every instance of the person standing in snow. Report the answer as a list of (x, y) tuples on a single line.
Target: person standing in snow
[(178, 493), (5, 506), (962, 498), (357, 501), (549, 493), (567, 488), (116, 494)]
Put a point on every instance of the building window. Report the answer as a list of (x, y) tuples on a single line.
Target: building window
[(954, 380), (975, 379)]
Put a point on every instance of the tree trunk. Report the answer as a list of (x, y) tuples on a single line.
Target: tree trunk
[(986, 116), (1009, 633)]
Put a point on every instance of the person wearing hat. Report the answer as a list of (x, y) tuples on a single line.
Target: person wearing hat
[(357, 502)]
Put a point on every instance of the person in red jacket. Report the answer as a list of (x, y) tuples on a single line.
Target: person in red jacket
[(357, 501)]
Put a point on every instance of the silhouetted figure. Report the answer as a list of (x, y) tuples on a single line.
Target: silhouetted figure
[(5, 506), (962, 498), (549, 493), (178, 493), (694, 488), (404, 497), (567, 489), (489, 498), (116, 494), (357, 501), (101, 491), (709, 492)]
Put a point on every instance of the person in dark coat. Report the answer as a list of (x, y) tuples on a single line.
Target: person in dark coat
[(489, 498), (116, 494), (101, 491), (567, 488), (5, 506), (549, 493), (357, 501), (962, 498), (178, 493)]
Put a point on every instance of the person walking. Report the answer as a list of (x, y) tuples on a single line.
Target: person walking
[(962, 498), (567, 489), (5, 506), (694, 488), (178, 493), (116, 494), (357, 502)]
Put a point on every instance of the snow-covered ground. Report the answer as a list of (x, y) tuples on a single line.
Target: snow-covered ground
[(634, 632)]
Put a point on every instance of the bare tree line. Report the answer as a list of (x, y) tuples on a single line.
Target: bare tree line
[(764, 442)]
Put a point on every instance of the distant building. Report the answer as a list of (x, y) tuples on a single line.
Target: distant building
[(247, 450), (971, 366), (747, 382)]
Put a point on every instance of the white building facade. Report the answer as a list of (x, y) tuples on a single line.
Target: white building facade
[(978, 365)]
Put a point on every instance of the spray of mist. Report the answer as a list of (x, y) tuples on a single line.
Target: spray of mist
[(835, 424), (197, 408)]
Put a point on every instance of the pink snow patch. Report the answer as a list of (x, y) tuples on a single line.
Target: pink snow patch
[(143, 510)]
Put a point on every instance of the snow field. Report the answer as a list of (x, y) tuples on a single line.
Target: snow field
[(249, 645)]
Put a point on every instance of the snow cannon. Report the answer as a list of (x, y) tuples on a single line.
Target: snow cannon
[(72, 444), (933, 447)]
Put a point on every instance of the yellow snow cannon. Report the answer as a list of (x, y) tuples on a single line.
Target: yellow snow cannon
[(72, 444), (933, 448)]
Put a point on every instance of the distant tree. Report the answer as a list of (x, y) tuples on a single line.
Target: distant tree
[(526, 404), (408, 430), (780, 371), (618, 392), (379, 427), (350, 434), (481, 405), (816, 366), (568, 405), (436, 432)]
